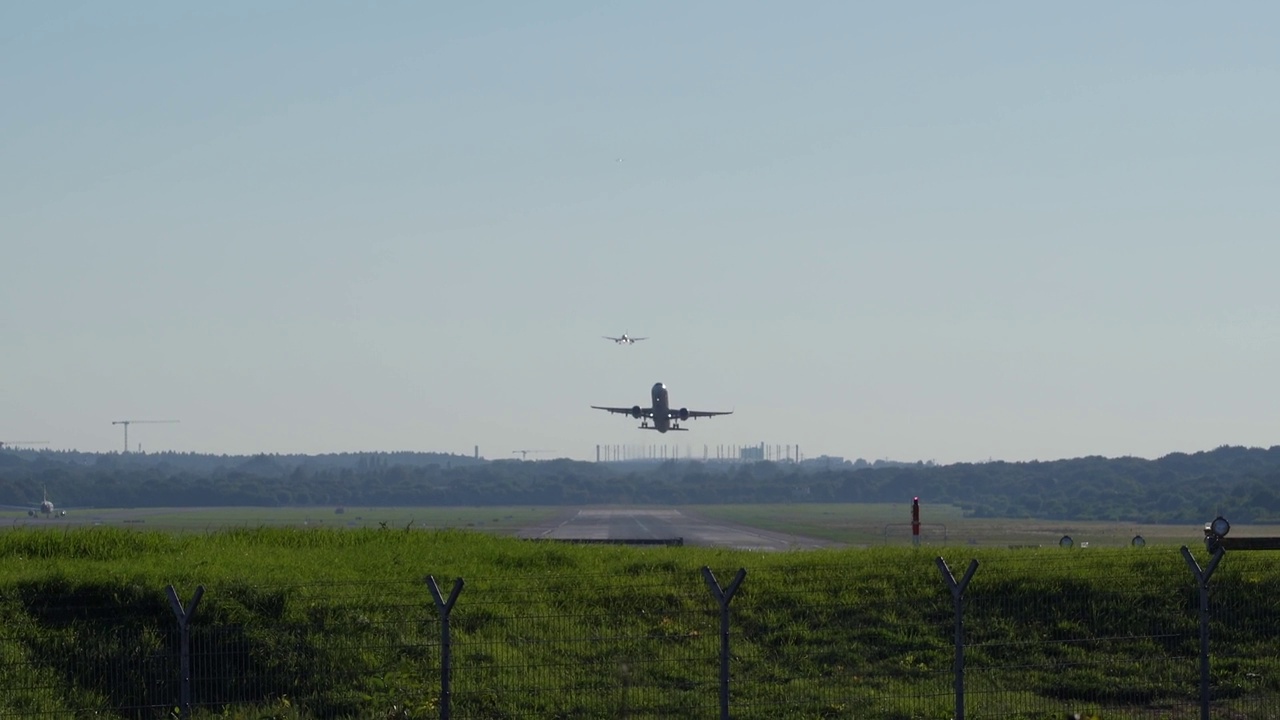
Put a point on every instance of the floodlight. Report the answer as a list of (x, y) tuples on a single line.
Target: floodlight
[(1220, 526), (1214, 532)]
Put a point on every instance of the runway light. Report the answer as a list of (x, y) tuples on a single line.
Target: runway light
[(1137, 541), (1066, 541), (915, 521)]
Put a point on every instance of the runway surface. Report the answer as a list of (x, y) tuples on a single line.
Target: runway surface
[(623, 524)]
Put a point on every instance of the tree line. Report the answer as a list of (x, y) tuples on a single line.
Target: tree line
[(1237, 482)]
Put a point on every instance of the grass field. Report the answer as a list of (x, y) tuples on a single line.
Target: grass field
[(309, 622), (855, 525), (885, 524), (498, 520)]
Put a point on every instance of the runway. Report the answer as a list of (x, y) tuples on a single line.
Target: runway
[(623, 524)]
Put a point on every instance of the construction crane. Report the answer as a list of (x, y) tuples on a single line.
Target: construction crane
[(524, 454), (127, 423), (16, 443)]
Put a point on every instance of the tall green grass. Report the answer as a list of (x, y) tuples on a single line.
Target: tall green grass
[(304, 623)]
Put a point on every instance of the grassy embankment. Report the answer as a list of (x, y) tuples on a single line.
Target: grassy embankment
[(300, 623)]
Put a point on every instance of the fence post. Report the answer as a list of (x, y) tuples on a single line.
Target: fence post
[(1202, 579), (724, 597), (957, 596), (184, 644), (444, 607)]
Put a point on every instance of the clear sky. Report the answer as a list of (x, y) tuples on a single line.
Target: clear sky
[(946, 231)]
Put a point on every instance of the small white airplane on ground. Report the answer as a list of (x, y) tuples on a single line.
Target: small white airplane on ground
[(664, 418), (625, 339)]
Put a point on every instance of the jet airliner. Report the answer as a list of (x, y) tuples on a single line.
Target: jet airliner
[(624, 340), (664, 418), (46, 508)]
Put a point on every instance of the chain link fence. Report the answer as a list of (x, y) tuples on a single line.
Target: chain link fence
[(802, 641)]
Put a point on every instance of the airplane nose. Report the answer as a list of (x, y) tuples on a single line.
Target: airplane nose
[(659, 387)]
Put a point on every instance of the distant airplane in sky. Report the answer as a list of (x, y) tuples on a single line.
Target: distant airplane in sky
[(624, 340), (664, 418)]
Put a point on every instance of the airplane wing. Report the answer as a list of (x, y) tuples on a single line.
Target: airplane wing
[(606, 337), (644, 411), (675, 414), (638, 339)]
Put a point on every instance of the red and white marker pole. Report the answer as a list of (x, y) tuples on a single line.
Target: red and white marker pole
[(915, 521)]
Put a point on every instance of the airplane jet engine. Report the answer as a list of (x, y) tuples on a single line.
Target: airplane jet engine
[(635, 412), (684, 413)]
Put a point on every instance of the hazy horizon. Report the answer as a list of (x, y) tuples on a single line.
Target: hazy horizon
[(695, 454), (925, 232)]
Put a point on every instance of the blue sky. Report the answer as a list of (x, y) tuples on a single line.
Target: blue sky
[(916, 231)]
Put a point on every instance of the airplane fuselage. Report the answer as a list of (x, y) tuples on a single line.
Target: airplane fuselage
[(661, 408)]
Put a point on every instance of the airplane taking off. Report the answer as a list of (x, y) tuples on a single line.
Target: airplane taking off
[(624, 340), (664, 418)]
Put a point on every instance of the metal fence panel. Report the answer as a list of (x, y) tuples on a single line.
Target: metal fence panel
[(816, 615), (87, 651), (1081, 640), (643, 651), (1244, 637), (275, 647)]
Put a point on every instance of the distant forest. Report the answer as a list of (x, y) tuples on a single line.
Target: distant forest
[(1238, 482)]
